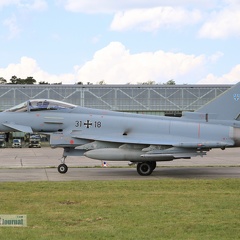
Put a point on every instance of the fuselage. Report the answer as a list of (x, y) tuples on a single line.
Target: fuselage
[(149, 129)]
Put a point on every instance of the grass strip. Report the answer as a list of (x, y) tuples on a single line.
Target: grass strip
[(141, 209)]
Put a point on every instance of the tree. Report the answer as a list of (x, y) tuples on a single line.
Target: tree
[(102, 82), (3, 80), (29, 80), (149, 82), (43, 82), (15, 80), (171, 82)]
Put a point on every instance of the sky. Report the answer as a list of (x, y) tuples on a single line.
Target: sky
[(121, 42)]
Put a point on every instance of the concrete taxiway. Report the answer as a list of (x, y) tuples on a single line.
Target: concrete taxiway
[(35, 164)]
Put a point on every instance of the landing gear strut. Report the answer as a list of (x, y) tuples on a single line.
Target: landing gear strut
[(146, 168), (63, 168)]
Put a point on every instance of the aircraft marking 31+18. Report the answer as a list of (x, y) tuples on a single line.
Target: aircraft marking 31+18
[(140, 139)]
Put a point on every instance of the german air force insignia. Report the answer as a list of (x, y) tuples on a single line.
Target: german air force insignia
[(236, 96)]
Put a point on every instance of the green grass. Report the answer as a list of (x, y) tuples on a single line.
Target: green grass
[(142, 209)]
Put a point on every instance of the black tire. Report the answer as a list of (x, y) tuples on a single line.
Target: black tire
[(154, 164), (144, 168), (62, 168)]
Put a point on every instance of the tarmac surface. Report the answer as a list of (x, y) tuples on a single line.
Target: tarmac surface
[(40, 164)]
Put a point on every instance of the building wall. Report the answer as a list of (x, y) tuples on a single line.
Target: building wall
[(151, 99)]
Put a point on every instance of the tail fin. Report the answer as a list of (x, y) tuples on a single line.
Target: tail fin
[(226, 106)]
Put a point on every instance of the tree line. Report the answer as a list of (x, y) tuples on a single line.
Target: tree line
[(16, 80), (30, 80)]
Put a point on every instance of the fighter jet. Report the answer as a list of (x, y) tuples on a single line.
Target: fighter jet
[(140, 139)]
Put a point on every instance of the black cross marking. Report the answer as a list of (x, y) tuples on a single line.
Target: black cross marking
[(88, 124)]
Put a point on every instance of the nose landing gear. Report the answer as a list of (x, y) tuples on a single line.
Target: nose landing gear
[(63, 168)]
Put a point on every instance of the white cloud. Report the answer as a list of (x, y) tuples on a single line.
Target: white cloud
[(36, 5), (96, 39), (154, 18), (106, 6), (28, 67), (222, 17), (229, 78), (115, 65), (12, 24), (215, 57), (233, 3), (110, 6), (224, 23), (4, 3)]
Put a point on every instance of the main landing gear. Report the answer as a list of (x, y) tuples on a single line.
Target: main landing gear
[(63, 168), (143, 168), (146, 168)]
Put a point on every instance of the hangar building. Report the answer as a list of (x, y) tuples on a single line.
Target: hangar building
[(169, 100)]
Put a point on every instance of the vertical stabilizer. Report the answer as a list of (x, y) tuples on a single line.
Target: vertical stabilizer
[(226, 106)]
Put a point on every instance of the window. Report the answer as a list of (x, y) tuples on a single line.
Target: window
[(41, 105)]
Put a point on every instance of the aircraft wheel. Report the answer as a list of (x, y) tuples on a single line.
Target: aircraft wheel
[(154, 164), (62, 168), (144, 168)]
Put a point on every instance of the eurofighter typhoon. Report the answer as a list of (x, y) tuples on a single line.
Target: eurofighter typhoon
[(141, 139)]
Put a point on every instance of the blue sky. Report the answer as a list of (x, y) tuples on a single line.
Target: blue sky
[(120, 42)]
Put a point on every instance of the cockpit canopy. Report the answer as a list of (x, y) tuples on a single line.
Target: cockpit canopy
[(41, 105)]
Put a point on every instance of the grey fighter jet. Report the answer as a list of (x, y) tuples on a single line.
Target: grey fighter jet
[(139, 139)]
